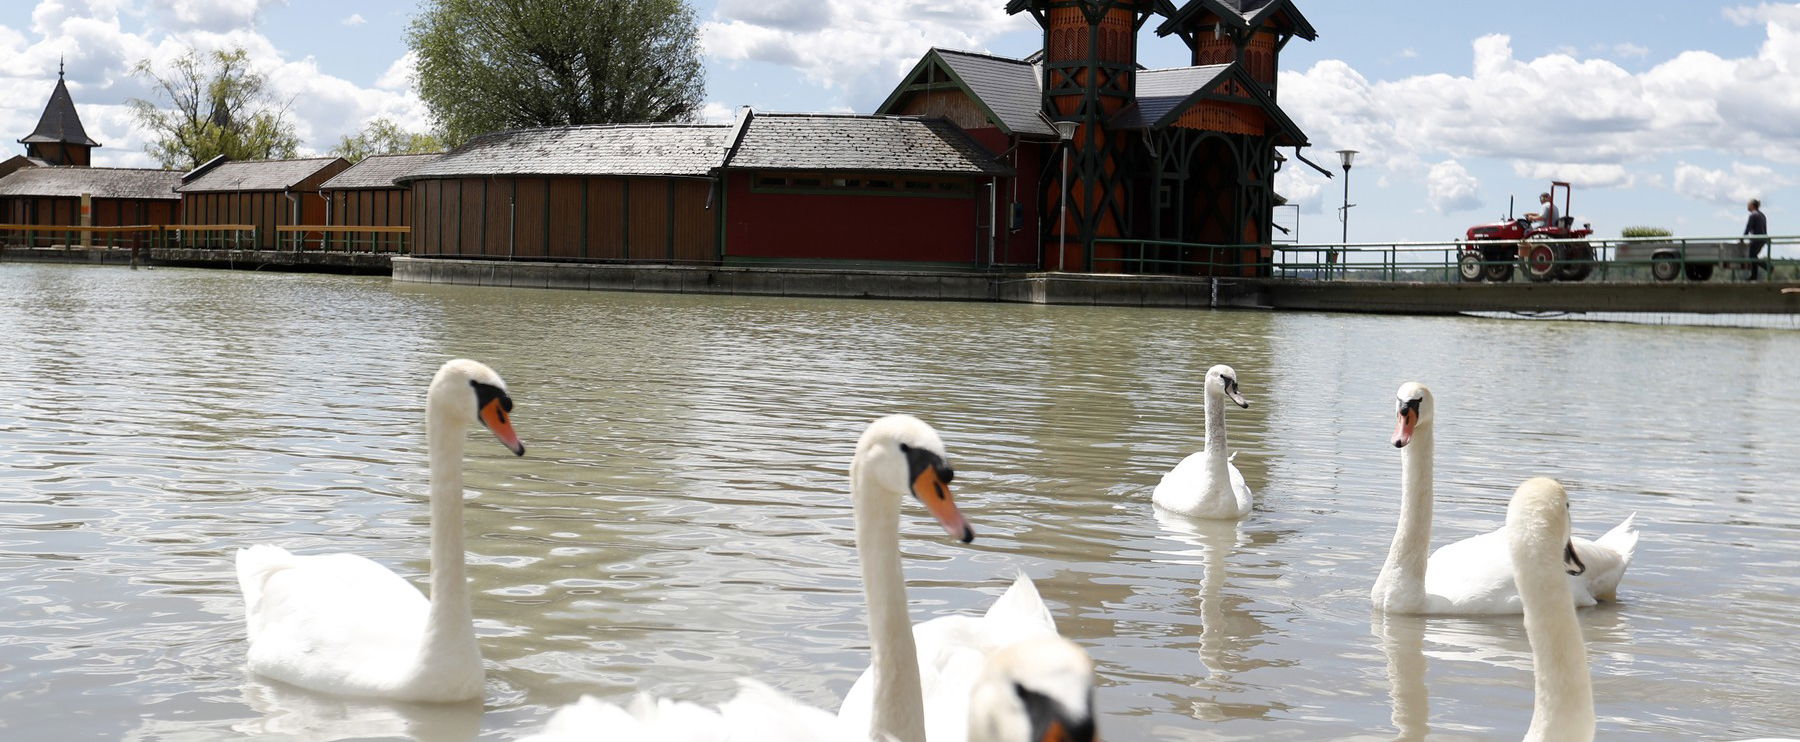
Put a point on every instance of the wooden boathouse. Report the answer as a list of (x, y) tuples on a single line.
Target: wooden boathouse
[(365, 195), (118, 197), (260, 194), (631, 192)]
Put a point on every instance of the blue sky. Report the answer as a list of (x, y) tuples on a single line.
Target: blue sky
[(1664, 113)]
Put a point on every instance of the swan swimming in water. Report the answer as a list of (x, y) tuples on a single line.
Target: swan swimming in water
[(897, 457), (1206, 484), (342, 624), (1473, 576)]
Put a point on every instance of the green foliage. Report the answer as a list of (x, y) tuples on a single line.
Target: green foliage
[(220, 107), (488, 65), (384, 137), (1644, 232)]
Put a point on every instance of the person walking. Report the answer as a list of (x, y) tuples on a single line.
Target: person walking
[(1758, 225)]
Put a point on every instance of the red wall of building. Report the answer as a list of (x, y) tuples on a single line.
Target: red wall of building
[(1018, 247), (852, 226)]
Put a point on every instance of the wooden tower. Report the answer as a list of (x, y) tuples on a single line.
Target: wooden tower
[(1090, 67), (1251, 33), (59, 138)]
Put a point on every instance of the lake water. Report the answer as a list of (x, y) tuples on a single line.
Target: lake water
[(682, 518)]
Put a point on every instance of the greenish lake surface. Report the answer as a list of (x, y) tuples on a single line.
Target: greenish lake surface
[(682, 515)]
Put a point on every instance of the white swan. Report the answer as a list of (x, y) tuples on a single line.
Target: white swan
[(918, 683), (1538, 543), (897, 456), (1539, 547), (342, 624), (1205, 484), (1032, 691), (1473, 576)]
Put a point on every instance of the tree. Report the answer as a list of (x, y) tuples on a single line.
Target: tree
[(486, 65), (384, 137), (221, 107)]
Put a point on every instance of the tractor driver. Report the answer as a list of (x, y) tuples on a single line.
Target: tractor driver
[(1549, 216)]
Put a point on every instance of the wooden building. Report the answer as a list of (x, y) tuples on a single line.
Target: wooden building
[(365, 195), (264, 194), (891, 191), (59, 138), (630, 192), (1179, 155), (51, 196)]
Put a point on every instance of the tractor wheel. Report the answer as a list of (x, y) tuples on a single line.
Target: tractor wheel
[(1665, 266), (1579, 265), (1540, 262), (1497, 272), (1469, 267), (1699, 271)]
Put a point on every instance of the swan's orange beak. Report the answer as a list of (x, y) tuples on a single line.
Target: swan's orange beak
[(931, 490), (494, 416), (1409, 416)]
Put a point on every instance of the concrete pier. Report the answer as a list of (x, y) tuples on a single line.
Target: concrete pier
[(1014, 287), (1115, 290)]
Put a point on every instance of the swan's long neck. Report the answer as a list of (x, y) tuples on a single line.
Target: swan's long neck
[(899, 703), (1216, 455), (449, 628), (1563, 710), (1401, 586)]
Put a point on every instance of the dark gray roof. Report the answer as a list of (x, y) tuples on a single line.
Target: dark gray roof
[(896, 144), (378, 171), (1244, 13), (626, 149), (257, 175), (101, 182), (1160, 92), (1011, 88), (59, 122)]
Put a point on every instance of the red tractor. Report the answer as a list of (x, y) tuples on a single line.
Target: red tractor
[(1490, 251)]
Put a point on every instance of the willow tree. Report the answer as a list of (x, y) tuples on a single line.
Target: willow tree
[(384, 137), (216, 105), (486, 65)]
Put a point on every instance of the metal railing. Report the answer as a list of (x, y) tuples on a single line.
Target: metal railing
[(1618, 259), (397, 240)]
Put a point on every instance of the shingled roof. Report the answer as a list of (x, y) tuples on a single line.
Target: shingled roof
[(60, 123), (101, 182), (257, 175), (1242, 13), (1012, 89), (378, 171), (1160, 92), (629, 149), (896, 144)]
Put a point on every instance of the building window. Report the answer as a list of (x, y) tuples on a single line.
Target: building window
[(928, 186)]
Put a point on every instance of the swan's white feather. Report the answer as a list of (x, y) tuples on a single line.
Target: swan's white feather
[(952, 651), (1474, 576), (757, 713)]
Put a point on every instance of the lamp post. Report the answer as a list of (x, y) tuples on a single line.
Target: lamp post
[(1346, 156), (1065, 130)]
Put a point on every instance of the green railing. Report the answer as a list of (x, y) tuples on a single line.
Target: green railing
[(1638, 259)]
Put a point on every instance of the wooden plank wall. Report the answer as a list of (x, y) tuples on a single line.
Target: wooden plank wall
[(567, 218)]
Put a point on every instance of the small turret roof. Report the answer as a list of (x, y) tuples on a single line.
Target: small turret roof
[(59, 124)]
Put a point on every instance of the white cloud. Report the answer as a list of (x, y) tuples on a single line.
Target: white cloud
[(1450, 188), (1736, 186), (1559, 109), (714, 112), (853, 46), (1302, 185), (1580, 175), (210, 15), (354, 20), (100, 54), (1628, 49)]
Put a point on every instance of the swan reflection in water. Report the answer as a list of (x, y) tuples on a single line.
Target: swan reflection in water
[(294, 713), (1228, 631), (1496, 641)]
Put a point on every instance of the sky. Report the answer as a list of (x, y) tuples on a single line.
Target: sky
[(1667, 113)]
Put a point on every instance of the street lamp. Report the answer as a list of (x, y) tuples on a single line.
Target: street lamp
[(1065, 130), (1346, 156)]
